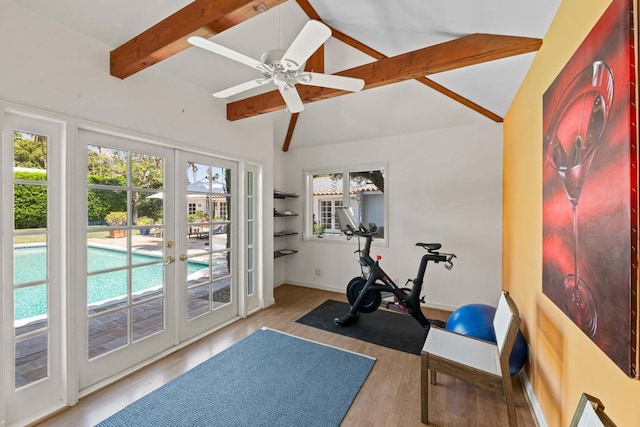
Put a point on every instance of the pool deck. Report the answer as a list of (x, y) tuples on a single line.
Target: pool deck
[(149, 243)]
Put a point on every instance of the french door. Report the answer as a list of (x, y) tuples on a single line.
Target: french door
[(127, 291), (114, 250), (208, 250), (32, 277)]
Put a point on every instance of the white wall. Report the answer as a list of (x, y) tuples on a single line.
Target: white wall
[(444, 186), (50, 67)]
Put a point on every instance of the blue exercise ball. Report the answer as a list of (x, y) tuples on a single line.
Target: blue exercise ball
[(476, 320)]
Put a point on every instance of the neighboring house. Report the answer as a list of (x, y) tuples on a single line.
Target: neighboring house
[(365, 199), (198, 198)]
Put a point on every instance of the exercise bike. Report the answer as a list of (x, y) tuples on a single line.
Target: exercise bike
[(365, 292)]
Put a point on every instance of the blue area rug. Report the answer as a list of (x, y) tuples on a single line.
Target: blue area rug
[(267, 379)]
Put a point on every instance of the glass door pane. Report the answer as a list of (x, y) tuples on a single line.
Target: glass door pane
[(30, 266), (128, 255), (125, 285), (208, 260)]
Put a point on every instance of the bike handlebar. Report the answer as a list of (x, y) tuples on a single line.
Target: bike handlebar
[(432, 254), (362, 231)]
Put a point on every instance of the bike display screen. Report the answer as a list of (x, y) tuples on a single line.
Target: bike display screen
[(346, 219)]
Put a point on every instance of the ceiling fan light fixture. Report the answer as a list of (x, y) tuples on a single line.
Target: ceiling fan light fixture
[(289, 64), (283, 67), (273, 57), (280, 79)]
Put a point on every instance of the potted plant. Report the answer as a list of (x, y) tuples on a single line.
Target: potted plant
[(116, 219), (144, 220)]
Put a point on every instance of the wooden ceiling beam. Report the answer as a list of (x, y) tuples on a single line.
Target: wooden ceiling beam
[(461, 99), (166, 38), (290, 129), (468, 50), (425, 81), (309, 10), (316, 64)]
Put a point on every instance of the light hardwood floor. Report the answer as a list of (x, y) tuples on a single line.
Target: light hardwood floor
[(389, 397)]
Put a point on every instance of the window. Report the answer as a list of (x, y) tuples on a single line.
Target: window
[(363, 191), (192, 209), (221, 210), (328, 217)]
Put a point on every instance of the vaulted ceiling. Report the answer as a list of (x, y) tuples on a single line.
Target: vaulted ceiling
[(426, 64)]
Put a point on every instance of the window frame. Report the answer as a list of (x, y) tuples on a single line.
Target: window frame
[(309, 207), (332, 202)]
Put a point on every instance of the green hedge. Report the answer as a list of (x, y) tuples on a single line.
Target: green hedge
[(30, 201), (102, 202)]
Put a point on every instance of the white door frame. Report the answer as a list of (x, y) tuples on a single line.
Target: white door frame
[(252, 301), (30, 399), (102, 368)]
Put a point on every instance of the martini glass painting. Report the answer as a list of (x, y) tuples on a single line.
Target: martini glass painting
[(576, 129)]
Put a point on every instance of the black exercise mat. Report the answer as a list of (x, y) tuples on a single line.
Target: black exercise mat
[(385, 328)]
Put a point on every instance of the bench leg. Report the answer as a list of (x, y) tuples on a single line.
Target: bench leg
[(510, 401), (424, 389)]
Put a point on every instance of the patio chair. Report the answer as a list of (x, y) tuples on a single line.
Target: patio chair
[(481, 363)]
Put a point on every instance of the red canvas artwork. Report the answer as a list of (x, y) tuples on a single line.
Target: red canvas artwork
[(590, 181)]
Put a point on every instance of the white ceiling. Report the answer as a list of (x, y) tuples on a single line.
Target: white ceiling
[(388, 27)]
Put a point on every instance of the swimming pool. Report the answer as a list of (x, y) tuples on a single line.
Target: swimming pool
[(30, 265)]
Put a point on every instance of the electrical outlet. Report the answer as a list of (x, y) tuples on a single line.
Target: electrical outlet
[(318, 272)]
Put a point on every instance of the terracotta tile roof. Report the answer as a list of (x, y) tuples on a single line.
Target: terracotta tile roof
[(328, 186)]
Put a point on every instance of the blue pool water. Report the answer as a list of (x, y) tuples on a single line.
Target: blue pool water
[(30, 265)]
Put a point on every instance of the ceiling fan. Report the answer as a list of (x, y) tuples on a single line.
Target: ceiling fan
[(284, 68)]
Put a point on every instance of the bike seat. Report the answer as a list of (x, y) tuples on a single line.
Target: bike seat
[(430, 246)]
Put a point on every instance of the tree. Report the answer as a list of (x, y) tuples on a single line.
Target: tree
[(110, 166), (374, 177), (30, 201), (106, 162), (146, 172), (362, 178), (30, 150), (194, 170)]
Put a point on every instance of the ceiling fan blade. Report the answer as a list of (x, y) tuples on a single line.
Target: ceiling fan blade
[(240, 88), (291, 98), (225, 51), (328, 80), (311, 37)]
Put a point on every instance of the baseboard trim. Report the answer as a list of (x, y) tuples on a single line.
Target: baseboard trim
[(341, 290), (538, 416)]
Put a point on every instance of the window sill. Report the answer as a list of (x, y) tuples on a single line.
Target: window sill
[(342, 240)]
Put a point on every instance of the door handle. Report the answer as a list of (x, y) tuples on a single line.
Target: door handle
[(183, 257), (169, 260)]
